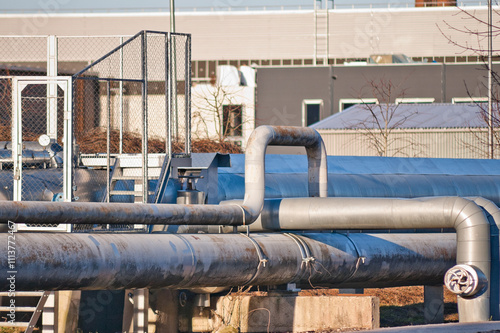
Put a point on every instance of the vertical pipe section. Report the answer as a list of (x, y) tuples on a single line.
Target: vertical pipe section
[(493, 215)]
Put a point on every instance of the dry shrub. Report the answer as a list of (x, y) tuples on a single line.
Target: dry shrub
[(209, 146), (5, 134), (95, 141)]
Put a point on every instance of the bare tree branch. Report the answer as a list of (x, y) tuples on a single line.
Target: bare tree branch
[(218, 110), (382, 119), (479, 31)]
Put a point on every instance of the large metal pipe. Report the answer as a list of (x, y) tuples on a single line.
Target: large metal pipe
[(113, 261), (105, 213), (42, 212), (255, 163), (493, 215), (467, 218)]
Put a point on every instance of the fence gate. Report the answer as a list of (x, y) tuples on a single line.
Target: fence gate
[(41, 111)]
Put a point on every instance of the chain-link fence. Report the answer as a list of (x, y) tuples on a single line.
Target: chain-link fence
[(134, 100), (20, 56), (40, 108), (131, 107)]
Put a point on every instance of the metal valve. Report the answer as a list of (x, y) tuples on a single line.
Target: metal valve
[(465, 280)]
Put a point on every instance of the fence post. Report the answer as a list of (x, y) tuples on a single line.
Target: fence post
[(187, 94), (144, 63), (52, 87)]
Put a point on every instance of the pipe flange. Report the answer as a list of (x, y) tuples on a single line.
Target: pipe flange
[(465, 280)]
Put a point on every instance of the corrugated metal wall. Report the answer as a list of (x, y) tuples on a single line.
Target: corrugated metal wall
[(437, 143)]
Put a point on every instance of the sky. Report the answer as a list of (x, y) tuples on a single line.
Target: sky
[(106, 5)]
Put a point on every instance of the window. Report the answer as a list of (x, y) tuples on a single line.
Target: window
[(311, 111), (469, 100), (202, 69), (345, 103), (415, 100), (232, 119)]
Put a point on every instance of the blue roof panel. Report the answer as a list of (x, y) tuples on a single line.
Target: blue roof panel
[(363, 165)]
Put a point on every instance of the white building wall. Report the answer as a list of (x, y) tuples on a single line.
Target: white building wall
[(285, 34), (414, 32), (206, 118), (132, 116)]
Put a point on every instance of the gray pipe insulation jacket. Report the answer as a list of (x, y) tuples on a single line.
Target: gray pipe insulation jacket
[(467, 218), (255, 163)]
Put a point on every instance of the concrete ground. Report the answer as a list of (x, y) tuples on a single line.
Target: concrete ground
[(484, 327)]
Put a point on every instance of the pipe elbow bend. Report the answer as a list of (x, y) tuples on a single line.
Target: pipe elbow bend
[(467, 214)]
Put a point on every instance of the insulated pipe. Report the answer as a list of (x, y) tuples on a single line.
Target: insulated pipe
[(127, 213), (467, 218), (43, 212), (47, 261), (257, 144), (493, 214)]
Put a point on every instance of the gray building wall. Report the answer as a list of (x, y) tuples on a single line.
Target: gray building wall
[(280, 91)]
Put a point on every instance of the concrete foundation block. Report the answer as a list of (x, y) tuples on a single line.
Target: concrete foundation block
[(288, 313), (433, 304)]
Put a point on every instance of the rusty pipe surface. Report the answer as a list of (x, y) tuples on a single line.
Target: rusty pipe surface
[(255, 153), (39, 212), (47, 261)]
